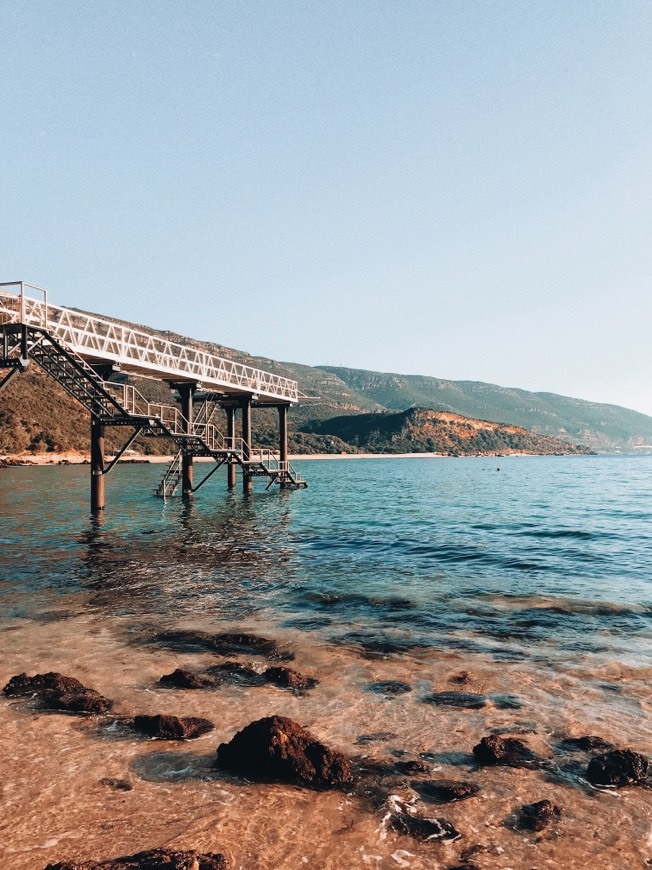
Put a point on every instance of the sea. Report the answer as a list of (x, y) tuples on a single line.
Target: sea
[(525, 580)]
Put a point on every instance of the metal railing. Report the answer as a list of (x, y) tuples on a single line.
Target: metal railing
[(95, 337)]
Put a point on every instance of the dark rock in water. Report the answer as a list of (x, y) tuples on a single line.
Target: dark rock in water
[(587, 744), (183, 679), (172, 727), (276, 748), (376, 737), (154, 859), (82, 701), (537, 816), (443, 791), (411, 767), (241, 642), (460, 679), (403, 818), (506, 751), (185, 641), (466, 858), (58, 692), (286, 678), (225, 643), (236, 672), (506, 702), (390, 687), (457, 699), (618, 767), (117, 784), (21, 684)]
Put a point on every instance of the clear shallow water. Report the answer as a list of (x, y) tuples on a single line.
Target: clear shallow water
[(529, 585), (548, 555)]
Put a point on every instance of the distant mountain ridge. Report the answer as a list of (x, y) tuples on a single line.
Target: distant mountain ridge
[(601, 427)]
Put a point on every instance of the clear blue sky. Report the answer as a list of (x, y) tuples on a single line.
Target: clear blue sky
[(459, 189)]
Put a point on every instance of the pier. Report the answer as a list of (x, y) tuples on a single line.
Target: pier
[(82, 351)]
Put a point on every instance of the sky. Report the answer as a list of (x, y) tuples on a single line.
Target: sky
[(458, 189)]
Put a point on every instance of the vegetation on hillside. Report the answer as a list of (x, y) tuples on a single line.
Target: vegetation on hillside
[(422, 430)]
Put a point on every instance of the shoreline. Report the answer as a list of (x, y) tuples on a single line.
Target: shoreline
[(11, 460)]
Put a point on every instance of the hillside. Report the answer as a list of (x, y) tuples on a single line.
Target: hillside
[(421, 430), (600, 426), (37, 417)]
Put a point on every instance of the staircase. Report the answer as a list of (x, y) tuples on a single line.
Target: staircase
[(122, 405), (172, 477)]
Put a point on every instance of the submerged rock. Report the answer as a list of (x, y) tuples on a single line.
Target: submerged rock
[(469, 700), (236, 672), (390, 688), (242, 642), (445, 791), (58, 692), (154, 859), (403, 818), (172, 727), (411, 767), (376, 737), (286, 678), (537, 816), (587, 744), (183, 679), (507, 751), (276, 748), (225, 643), (617, 768)]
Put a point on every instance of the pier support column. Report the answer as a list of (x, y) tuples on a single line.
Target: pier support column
[(230, 441), (97, 466), (186, 392), (245, 404), (283, 438)]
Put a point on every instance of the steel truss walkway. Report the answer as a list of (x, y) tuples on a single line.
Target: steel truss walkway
[(77, 349)]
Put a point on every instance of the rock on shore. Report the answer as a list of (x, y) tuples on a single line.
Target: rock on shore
[(276, 748), (617, 768), (58, 692)]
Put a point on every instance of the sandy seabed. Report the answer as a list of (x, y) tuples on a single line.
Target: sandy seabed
[(56, 803)]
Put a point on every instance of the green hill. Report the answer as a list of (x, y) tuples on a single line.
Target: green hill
[(600, 426), (421, 430)]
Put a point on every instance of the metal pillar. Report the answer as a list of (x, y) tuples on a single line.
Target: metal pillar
[(97, 465), (247, 482), (283, 438), (230, 441), (186, 392)]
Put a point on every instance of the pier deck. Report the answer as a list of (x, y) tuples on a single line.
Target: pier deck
[(81, 351)]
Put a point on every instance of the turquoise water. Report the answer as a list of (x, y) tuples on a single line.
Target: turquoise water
[(514, 556)]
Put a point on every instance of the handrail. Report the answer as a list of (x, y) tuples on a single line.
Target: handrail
[(94, 336)]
